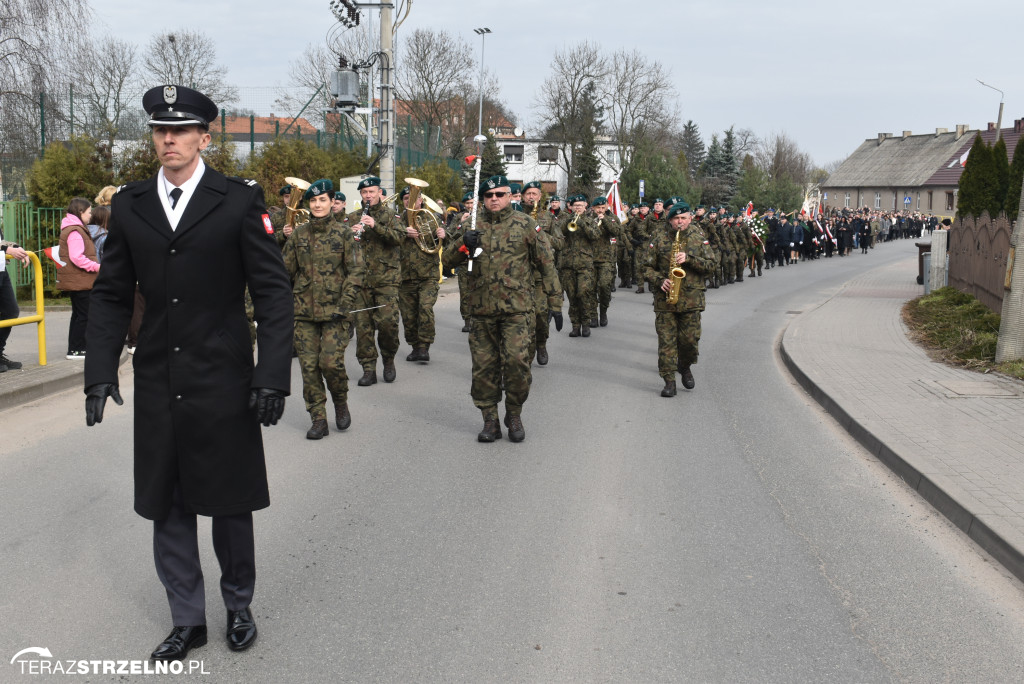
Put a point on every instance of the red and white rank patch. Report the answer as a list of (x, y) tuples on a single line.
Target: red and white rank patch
[(267, 225), (538, 229)]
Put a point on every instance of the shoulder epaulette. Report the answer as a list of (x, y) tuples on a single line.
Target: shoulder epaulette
[(244, 181)]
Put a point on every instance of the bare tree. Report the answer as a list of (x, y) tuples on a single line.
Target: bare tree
[(566, 95), (308, 75), (188, 58), (108, 96), (640, 100), (781, 158)]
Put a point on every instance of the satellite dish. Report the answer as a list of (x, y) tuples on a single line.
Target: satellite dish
[(519, 132)]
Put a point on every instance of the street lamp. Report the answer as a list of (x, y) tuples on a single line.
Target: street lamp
[(999, 120), (482, 32)]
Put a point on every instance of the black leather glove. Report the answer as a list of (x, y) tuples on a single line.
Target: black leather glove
[(557, 315), (96, 397), (472, 241), (269, 405)]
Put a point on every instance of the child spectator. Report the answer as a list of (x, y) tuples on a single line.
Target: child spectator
[(77, 276)]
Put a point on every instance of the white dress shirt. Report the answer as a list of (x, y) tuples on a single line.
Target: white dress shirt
[(187, 188)]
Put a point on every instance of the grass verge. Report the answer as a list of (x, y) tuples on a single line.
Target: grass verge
[(959, 330)]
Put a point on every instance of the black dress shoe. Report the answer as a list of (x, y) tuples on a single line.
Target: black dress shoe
[(342, 418), (389, 370), (369, 378), (241, 629), (178, 643), (542, 356), (516, 431), (688, 381), (490, 432), (670, 389), (318, 430)]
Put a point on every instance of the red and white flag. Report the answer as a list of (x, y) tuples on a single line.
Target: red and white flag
[(615, 202), (963, 159), (750, 209), (54, 253)]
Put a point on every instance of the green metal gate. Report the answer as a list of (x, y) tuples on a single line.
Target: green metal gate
[(35, 229)]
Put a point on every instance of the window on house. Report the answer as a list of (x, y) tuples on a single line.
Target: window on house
[(547, 154), (949, 201), (878, 200), (919, 201), (847, 203), (894, 201), (929, 200), (613, 158), (513, 153)]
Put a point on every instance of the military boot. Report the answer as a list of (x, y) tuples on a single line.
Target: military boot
[(542, 356), (640, 288), (585, 332), (516, 431), (491, 431), (688, 381), (593, 323), (342, 418), (424, 354), (613, 286), (369, 378), (466, 326), (575, 332), (758, 270), (318, 430), (670, 389), (389, 369), (604, 316), (414, 355)]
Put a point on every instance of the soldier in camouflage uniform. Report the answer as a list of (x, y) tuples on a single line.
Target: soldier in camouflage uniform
[(741, 238), (504, 252), (381, 237), (532, 195), (624, 250), (639, 238), (609, 234), (326, 268), (421, 280), (728, 248), (576, 262), (678, 325), (706, 222)]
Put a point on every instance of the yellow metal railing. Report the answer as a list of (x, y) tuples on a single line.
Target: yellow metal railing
[(37, 269)]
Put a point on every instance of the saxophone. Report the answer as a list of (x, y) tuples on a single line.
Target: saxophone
[(676, 273)]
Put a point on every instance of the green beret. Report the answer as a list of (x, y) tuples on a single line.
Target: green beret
[(468, 196), (573, 199), (516, 188), (701, 206), (532, 184), (492, 183), (368, 183), (645, 204), (598, 201), (556, 198), (339, 196), (286, 190), (324, 185), (404, 193), (678, 208)]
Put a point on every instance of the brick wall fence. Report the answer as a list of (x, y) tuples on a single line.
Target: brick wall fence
[(978, 250)]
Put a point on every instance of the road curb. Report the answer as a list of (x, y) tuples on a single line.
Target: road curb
[(1008, 555), (40, 390)]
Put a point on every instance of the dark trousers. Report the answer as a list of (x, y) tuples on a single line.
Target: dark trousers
[(137, 310), (79, 320), (8, 305), (176, 554)]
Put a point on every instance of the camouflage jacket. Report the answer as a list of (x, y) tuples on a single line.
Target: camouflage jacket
[(699, 262), (639, 230), (501, 281), (610, 232), (326, 267), (577, 246), (381, 247), (417, 264)]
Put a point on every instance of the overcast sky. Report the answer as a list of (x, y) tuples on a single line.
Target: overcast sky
[(829, 74)]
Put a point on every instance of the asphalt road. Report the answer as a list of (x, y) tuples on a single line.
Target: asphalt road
[(729, 534)]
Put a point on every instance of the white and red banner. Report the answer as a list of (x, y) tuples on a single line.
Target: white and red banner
[(615, 202), (54, 253)]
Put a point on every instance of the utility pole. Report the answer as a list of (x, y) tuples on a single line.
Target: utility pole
[(999, 120), (387, 128)]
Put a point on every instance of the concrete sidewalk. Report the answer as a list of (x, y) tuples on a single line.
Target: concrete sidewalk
[(954, 435), (33, 381)]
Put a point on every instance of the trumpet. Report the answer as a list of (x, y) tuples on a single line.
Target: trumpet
[(676, 273), (574, 225)]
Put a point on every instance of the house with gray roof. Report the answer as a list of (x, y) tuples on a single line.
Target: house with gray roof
[(909, 173)]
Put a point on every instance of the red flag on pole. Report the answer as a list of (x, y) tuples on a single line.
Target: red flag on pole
[(615, 202)]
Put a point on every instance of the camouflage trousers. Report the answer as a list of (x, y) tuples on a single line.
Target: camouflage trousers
[(463, 292), (500, 347), (578, 284), (639, 262), (678, 338), (541, 328), (416, 299), (729, 265), (321, 348), (625, 262), (756, 260), (383, 321), (604, 278)]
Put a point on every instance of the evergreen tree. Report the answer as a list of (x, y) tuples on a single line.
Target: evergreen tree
[(730, 164), (662, 176), (714, 175), (1001, 168), (978, 182), (1015, 181), (79, 168), (492, 164), (586, 168), (692, 145)]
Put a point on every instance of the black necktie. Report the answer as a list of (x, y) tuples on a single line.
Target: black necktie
[(175, 196)]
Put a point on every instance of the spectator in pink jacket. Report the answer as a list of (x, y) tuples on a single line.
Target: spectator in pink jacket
[(77, 277)]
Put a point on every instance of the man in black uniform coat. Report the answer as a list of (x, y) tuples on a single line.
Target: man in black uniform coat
[(194, 239)]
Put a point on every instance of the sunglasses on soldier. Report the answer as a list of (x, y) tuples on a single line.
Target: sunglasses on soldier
[(495, 194)]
